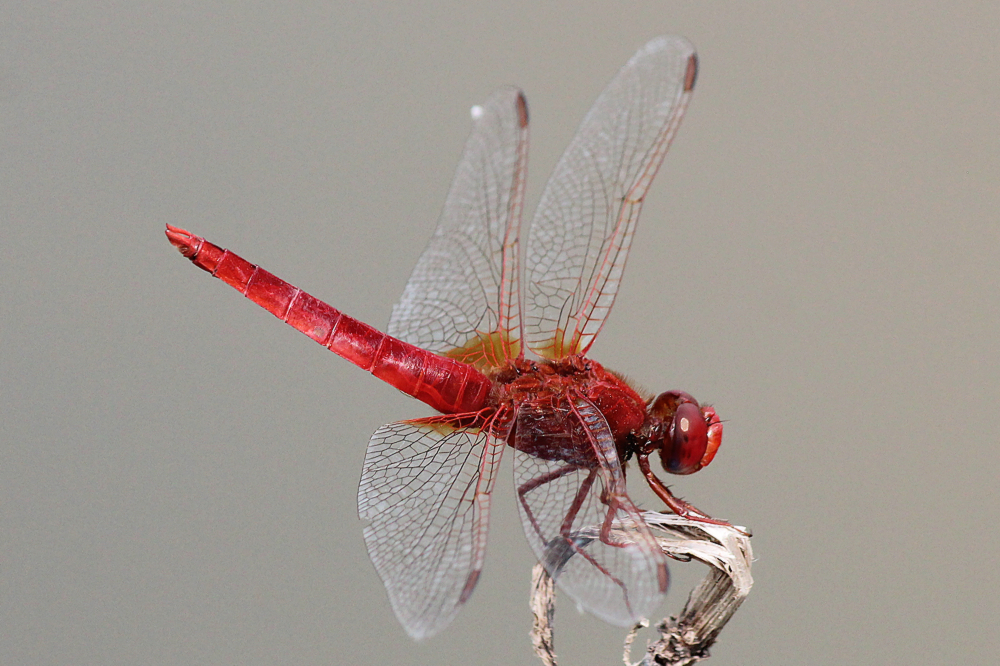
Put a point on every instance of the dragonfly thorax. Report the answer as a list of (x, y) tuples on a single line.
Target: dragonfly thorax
[(553, 384)]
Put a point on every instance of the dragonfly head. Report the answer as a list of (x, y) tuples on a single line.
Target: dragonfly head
[(690, 433)]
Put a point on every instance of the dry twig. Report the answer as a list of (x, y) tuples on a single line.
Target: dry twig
[(685, 638)]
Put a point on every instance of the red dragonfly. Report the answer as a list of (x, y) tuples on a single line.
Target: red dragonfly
[(457, 340)]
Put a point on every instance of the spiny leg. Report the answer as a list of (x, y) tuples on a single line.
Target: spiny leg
[(677, 505), (565, 530)]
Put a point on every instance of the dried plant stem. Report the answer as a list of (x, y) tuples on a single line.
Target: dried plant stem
[(684, 638), (543, 607)]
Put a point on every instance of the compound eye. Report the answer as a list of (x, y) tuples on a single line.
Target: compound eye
[(666, 403), (687, 440)]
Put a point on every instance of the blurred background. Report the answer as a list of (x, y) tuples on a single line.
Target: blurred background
[(819, 258)]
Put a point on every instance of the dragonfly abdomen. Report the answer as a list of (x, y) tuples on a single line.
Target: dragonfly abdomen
[(445, 384)]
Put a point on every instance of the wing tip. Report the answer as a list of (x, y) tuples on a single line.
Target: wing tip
[(678, 46), (470, 585), (522, 110), (692, 73)]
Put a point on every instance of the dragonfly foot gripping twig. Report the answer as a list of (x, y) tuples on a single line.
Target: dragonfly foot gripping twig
[(685, 638)]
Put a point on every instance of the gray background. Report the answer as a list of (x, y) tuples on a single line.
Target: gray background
[(818, 257)]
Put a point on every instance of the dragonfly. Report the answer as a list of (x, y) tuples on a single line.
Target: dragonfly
[(495, 340)]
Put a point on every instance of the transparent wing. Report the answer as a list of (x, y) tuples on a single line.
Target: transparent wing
[(425, 492), (570, 487), (462, 298), (583, 227)]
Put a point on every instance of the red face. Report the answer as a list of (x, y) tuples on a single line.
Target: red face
[(692, 433)]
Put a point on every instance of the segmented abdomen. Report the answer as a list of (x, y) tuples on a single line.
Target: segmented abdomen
[(445, 384)]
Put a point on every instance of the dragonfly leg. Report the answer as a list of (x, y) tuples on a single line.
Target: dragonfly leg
[(558, 557), (675, 504), (538, 482), (609, 519)]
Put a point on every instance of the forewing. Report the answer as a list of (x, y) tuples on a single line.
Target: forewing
[(570, 487), (462, 298), (580, 237), (425, 492)]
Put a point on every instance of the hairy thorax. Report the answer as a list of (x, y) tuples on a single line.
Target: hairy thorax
[(548, 388)]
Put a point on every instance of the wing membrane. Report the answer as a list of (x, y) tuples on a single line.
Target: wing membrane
[(569, 497), (462, 298), (425, 491), (580, 237)]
